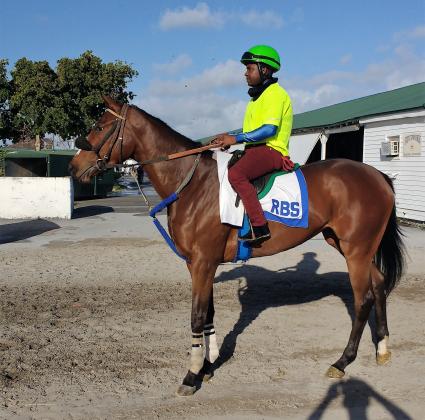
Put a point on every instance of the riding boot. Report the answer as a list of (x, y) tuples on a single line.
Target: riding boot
[(257, 235)]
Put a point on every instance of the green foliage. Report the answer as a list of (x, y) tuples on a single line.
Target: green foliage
[(66, 101), (4, 100), (82, 81), (34, 94)]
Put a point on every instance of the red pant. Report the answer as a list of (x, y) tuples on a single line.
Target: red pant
[(256, 161)]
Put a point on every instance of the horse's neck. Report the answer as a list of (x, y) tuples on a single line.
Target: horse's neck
[(155, 140)]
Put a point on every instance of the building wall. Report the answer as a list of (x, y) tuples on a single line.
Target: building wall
[(407, 172)]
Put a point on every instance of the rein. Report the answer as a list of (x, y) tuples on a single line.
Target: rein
[(102, 164), (165, 158)]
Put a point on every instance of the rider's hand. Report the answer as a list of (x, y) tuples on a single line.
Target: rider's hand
[(287, 164), (224, 140)]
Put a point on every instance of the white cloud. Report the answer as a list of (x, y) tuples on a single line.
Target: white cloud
[(402, 69), (315, 97), (175, 66), (224, 75), (199, 16), (202, 16), (201, 105), (262, 19), (214, 100), (198, 116), (414, 33)]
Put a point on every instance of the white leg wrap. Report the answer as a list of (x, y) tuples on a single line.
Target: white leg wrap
[(383, 346), (197, 354), (211, 349)]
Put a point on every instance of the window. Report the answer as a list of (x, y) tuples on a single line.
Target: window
[(391, 147)]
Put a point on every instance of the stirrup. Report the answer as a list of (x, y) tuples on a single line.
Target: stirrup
[(257, 235)]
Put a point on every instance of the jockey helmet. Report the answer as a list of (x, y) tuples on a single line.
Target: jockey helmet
[(262, 54)]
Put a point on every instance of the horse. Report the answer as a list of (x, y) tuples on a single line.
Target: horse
[(352, 204)]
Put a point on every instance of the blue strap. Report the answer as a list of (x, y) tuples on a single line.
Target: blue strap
[(244, 251), (164, 203)]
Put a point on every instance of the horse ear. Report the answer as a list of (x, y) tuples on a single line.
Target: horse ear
[(111, 104)]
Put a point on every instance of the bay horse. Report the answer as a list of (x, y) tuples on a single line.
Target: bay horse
[(351, 203)]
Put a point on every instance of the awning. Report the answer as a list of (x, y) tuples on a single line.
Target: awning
[(301, 145)]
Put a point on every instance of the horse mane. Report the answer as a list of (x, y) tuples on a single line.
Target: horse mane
[(175, 134)]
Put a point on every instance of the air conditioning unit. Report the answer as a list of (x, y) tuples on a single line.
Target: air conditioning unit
[(391, 147)]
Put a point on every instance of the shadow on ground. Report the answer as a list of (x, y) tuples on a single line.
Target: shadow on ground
[(19, 231), (356, 395), (264, 289), (88, 211)]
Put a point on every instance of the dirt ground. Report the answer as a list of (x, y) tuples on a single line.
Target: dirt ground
[(95, 323)]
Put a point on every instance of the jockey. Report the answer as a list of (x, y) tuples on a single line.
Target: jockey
[(266, 129)]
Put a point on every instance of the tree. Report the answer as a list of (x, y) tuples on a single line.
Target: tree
[(34, 98), (81, 82), (67, 101), (5, 125)]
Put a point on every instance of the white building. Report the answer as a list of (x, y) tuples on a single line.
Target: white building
[(386, 130)]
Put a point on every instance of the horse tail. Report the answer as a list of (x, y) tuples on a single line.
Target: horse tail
[(390, 257)]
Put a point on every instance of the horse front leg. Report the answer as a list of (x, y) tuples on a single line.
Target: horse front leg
[(202, 273), (211, 348)]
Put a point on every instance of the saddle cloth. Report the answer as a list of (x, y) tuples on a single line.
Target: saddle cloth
[(284, 199)]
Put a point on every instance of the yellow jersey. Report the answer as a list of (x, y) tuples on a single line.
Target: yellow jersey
[(274, 107)]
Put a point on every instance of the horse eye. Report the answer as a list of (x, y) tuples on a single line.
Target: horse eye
[(98, 128)]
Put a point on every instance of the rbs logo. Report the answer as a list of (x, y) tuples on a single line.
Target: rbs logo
[(285, 208)]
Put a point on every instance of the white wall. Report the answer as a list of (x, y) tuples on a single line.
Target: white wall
[(36, 197), (408, 171)]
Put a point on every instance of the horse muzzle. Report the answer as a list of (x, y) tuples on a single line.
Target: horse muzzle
[(83, 144)]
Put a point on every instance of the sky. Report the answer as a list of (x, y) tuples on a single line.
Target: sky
[(187, 52)]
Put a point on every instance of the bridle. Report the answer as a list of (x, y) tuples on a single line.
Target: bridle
[(115, 133)]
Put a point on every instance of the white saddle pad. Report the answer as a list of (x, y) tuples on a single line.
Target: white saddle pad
[(286, 202)]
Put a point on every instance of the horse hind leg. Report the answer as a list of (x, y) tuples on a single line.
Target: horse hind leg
[(360, 278), (383, 355)]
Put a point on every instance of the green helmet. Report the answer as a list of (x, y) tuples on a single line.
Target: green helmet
[(262, 54)]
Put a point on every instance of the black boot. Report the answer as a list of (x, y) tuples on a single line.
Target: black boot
[(257, 236)]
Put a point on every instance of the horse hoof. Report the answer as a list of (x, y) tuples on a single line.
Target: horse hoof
[(334, 373), (383, 359), (185, 390)]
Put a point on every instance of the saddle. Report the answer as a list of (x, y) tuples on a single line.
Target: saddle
[(258, 183)]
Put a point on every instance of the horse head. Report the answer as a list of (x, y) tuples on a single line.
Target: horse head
[(105, 144)]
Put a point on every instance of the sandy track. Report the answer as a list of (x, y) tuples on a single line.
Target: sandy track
[(95, 324)]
